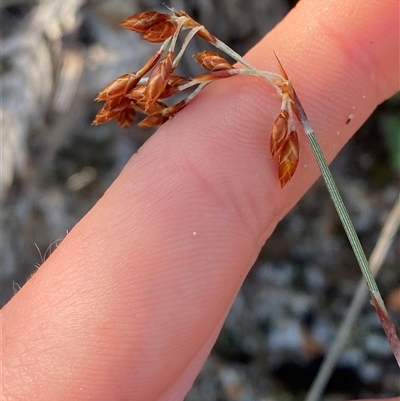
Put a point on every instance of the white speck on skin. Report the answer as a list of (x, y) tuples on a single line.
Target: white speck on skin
[(364, 96), (194, 233), (337, 132), (351, 116), (305, 166), (354, 107)]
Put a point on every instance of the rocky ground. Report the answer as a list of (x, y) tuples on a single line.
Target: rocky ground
[(55, 166)]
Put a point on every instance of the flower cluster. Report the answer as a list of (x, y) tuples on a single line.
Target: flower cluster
[(135, 92)]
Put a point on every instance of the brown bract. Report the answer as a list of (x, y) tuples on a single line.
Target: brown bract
[(212, 61), (279, 133), (285, 146), (143, 21), (160, 32), (119, 87), (288, 159), (158, 79)]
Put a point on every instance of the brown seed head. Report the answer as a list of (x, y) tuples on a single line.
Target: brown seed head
[(126, 118), (158, 79), (141, 22), (120, 109), (117, 103), (279, 133), (160, 32), (174, 82), (119, 87), (137, 93), (177, 80), (155, 108), (212, 61), (153, 121), (288, 159)]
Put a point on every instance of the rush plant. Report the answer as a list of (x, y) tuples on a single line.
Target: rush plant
[(136, 92)]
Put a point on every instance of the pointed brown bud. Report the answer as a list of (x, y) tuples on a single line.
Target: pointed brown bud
[(160, 32), (173, 84), (288, 159), (126, 118), (141, 22), (212, 61), (177, 80), (155, 108), (119, 87), (158, 79), (137, 93), (116, 108), (279, 133), (153, 121), (104, 116), (117, 103)]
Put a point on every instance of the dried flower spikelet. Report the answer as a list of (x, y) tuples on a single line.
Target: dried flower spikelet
[(153, 121), (112, 109), (288, 159), (126, 118), (119, 87), (160, 32), (173, 84), (137, 93), (117, 104), (155, 108), (154, 26), (141, 22), (279, 133), (177, 80), (158, 79), (212, 61)]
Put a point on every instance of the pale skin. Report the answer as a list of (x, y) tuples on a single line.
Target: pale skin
[(130, 304)]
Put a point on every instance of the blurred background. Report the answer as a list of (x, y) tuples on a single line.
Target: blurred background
[(55, 56)]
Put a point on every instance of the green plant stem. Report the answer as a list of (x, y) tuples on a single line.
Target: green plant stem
[(377, 300), (376, 260)]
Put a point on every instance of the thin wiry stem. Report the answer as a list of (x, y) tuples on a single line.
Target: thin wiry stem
[(377, 300), (377, 257), (271, 77)]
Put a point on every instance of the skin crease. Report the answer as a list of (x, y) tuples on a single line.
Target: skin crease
[(130, 304)]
